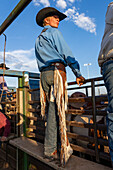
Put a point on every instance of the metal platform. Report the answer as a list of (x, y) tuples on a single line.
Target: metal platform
[(35, 150)]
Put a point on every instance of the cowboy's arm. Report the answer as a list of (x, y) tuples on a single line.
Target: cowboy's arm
[(67, 55)]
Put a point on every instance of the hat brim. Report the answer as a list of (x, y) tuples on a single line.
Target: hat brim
[(46, 12), (7, 68), (2, 65)]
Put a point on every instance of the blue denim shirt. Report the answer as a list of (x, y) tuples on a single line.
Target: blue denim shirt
[(50, 47)]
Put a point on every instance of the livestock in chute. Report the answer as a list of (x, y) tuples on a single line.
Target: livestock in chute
[(85, 119)]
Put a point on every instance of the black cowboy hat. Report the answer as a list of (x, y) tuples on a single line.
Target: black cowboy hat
[(2, 65), (46, 12)]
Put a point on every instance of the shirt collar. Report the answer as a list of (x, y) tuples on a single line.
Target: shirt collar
[(47, 26)]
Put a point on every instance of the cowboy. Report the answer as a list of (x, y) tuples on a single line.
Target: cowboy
[(53, 55), (3, 86), (105, 61)]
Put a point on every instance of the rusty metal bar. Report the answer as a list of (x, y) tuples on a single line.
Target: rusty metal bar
[(87, 99), (85, 112), (8, 102), (15, 12), (34, 102), (94, 120), (87, 80), (31, 90)]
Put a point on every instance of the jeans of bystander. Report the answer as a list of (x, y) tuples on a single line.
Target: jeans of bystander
[(107, 72)]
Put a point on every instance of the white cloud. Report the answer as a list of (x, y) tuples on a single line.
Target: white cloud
[(85, 22), (71, 1), (61, 4), (70, 13), (43, 2), (22, 60), (81, 20), (36, 3)]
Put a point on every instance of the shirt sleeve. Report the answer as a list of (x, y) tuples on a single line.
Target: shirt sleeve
[(7, 128), (64, 50)]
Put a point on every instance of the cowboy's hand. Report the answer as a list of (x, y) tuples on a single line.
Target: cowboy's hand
[(80, 80), (3, 138)]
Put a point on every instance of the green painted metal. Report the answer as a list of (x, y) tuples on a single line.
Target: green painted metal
[(14, 73), (11, 73), (25, 161), (24, 113), (21, 83), (25, 80), (15, 12)]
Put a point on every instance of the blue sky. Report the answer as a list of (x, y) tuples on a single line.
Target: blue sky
[(83, 30)]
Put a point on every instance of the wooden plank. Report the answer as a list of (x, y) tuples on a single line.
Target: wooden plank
[(32, 148), (8, 102), (79, 124), (83, 150), (87, 125), (35, 150), (37, 128), (36, 135), (80, 137), (34, 110), (91, 152), (77, 163), (34, 102), (19, 103), (30, 114)]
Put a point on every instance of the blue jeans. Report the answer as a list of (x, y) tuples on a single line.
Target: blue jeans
[(50, 143), (107, 72)]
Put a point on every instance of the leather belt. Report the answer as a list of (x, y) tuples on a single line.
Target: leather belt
[(59, 66)]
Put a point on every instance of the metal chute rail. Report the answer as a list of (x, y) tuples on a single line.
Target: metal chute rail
[(28, 122)]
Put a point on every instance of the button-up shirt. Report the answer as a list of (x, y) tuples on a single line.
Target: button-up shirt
[(50, 47), (5, 126)]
